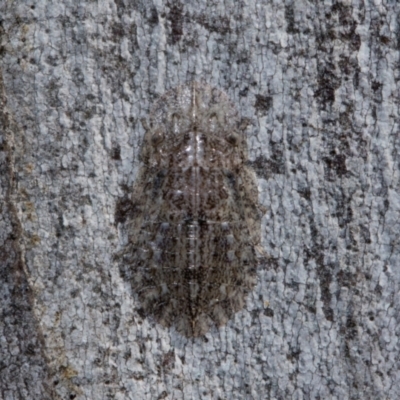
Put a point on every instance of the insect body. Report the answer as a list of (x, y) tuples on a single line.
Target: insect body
[(191, 256)]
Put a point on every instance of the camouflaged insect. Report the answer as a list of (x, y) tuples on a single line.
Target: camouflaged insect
[(196, 222)]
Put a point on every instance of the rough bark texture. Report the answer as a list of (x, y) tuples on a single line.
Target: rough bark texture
[(319, 80)]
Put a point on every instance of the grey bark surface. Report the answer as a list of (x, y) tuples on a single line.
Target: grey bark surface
[(320, 83)]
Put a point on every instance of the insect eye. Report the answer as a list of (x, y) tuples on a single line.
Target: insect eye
[(233, 139), (157, 138)]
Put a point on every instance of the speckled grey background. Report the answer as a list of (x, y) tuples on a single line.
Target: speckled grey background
[(319, 80)]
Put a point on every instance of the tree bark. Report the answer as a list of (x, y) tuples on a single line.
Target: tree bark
[(320, 83)]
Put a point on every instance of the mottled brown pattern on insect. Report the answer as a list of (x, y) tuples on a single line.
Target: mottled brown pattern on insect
[(191, 255)]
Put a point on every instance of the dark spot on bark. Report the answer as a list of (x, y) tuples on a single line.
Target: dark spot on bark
[(347, 25), (153, 18), (158, 182), (324, 272), (163, 395), (241, 58), (116, 152), (269, 312), (325, 278), (89, 113), (243, 92), (217, 24), (351, 328), (123, 209), (375, 86), (120, 4), (337, 163), (77, 76), (255, 314), (168, 360), (365, 233), (263, 103), (60, 225), (379, 373), (378, 290), (355, 42), (312, 309), (347, 65), (347, 350), (128, 354), (117, 29), (346, 279), (346, 122), (141, 313), (305, 193), (175, 17), (386, 202), (293, 285), (52, 60), (356, 77), (289, 16), (294, 355), (384, 39), (30, 349), (137, 376), (371, 316), (328, 82), (342, 210), (265, 168)]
